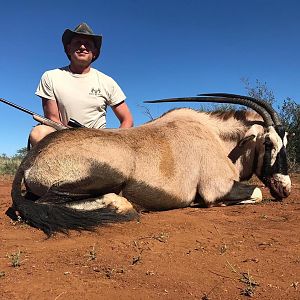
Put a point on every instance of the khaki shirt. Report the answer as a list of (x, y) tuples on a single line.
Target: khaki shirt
[(83, 97)]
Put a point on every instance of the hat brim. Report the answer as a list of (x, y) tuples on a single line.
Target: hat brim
[(69, 34)]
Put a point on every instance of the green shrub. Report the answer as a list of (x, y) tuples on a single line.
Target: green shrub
[(8, 166)]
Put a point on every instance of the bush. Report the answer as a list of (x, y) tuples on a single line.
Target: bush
[(8, 165)]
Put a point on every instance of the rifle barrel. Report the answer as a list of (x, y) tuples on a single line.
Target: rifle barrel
[(72, 123), (17, 107), (35, 116)]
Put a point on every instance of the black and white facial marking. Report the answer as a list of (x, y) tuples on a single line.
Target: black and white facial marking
[(274, 171)]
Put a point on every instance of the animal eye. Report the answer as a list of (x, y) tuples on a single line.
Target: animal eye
[(268, 142)]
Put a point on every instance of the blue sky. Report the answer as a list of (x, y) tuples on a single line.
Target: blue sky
[(153, 49)]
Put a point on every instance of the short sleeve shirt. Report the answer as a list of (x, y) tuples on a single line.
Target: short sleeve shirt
[(83, 97)]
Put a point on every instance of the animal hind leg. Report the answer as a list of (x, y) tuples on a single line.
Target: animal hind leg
[(120, 204)]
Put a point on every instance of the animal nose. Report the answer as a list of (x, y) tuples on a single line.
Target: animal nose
[(286, 192), (280, 186), (283, 192)]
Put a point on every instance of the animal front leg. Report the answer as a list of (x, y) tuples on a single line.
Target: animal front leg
[(242, 194)]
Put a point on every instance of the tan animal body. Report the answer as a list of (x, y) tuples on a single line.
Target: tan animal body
[(74, 178)]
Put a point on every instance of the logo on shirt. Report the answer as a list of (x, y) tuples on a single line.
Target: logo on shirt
[(95, 92)]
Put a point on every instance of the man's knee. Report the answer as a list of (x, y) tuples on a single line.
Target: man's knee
[(39, 132)]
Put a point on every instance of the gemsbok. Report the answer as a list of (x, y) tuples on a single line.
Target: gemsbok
[(80, 178)]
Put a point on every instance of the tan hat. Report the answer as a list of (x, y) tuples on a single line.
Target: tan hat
[(81, 29)]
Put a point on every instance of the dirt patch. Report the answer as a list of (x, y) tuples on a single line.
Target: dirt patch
[(218, 253)]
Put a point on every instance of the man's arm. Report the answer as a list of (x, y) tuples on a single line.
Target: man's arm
[(122, 112), (51, 110)]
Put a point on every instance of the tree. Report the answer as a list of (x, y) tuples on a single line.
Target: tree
[(21, 153), (290, 116), (259, 91)]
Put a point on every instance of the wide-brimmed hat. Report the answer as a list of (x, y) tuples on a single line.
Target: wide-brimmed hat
[(81, 29)]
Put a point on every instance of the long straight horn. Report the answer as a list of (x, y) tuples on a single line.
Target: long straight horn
[(275, 117), (260, 110)]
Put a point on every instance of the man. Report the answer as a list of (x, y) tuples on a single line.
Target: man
[(79, 91)]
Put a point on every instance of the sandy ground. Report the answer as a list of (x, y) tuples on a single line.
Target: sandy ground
[(232, 252)]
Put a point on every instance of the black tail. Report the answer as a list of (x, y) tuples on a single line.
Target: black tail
[(53, 218)]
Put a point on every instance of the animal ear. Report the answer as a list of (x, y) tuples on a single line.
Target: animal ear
[(246, 139), (239, 150), (250, 135)]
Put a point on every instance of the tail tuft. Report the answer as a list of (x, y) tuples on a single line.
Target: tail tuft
[(57, 218)]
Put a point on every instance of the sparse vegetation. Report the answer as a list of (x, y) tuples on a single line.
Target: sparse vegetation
[(223, 247), (9, 165), (250, 284), (110, 272), (243, 277), (141, 244), (92, 254), (136, 259), (15, 259), (247, 279)]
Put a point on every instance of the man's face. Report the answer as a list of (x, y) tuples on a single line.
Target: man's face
[(82, 49)]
